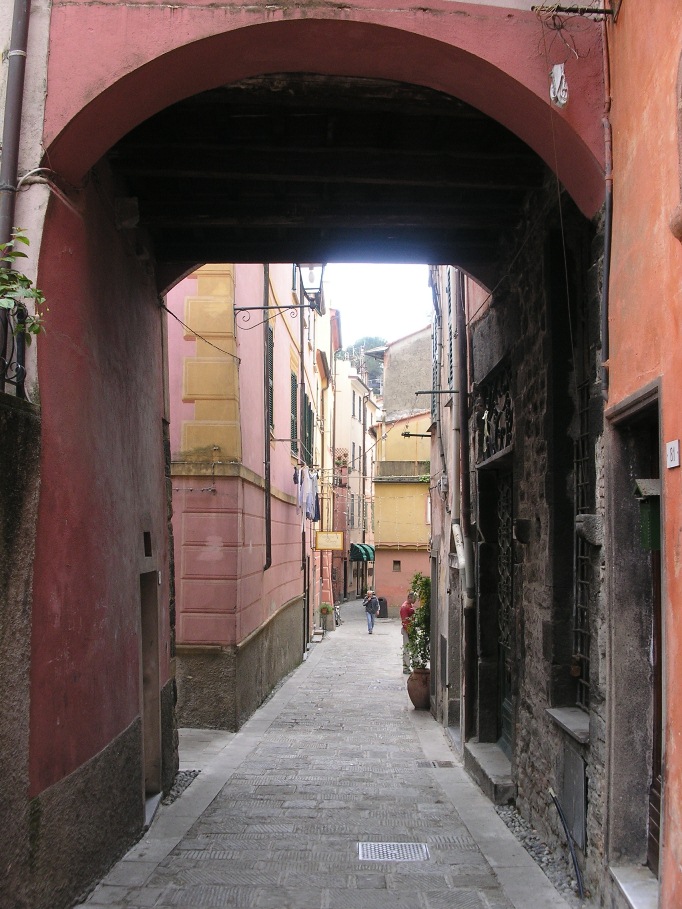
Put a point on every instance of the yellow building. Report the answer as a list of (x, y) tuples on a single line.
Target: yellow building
[(402, 504)]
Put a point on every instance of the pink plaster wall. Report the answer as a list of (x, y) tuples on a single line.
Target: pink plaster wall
[(102, 487), (395, 585), (112, 65), (223, 593)]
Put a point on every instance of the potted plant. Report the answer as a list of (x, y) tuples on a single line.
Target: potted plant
[(419, 645), (325, 610)]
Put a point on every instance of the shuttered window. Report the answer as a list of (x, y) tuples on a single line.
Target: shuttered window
[(294, 414), (270, 377)]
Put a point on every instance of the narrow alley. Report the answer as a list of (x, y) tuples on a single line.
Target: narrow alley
[(335, 759)]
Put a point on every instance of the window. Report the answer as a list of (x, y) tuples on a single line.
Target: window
[(351, 511), (583, 558), (294, 414), (308, 424), (269, 367), (353, 411), (428, 509), (352, 458), (396, 565)]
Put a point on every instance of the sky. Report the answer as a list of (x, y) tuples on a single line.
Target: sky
[(389, 301)]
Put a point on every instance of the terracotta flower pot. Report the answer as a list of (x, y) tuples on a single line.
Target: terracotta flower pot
[(419, 688)]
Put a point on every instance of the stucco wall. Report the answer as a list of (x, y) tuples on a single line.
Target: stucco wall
[(645, 326)]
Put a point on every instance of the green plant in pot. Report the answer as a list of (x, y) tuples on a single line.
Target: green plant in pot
[(419, 644), (326, 609)]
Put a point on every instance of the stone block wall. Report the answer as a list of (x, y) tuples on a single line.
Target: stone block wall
[(551, 345)]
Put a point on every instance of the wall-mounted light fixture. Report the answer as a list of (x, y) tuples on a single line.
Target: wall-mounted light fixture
[(311, 276)]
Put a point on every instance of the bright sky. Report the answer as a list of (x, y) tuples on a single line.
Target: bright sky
[(390, 301)]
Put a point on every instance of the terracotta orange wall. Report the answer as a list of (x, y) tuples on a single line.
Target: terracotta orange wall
[(646, 312)]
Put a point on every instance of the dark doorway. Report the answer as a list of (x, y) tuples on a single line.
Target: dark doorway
[(150, 707)]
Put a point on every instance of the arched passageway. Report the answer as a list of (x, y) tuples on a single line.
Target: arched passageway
[(189, 140)]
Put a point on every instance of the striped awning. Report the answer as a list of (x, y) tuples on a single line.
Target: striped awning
[(361, 552)]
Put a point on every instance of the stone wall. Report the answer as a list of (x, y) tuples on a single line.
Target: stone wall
[(543, 323), (220, 687), (19, 487)]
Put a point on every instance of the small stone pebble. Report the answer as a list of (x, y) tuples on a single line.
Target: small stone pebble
[(181, 782), (557, 867)]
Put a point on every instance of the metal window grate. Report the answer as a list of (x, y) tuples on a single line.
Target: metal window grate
[(393, 852), (583, 562)]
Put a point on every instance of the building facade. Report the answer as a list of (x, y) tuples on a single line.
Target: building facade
[(354, 458), (402, 502), (250, 391)]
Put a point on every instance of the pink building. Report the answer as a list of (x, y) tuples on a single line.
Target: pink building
[(246, 426)]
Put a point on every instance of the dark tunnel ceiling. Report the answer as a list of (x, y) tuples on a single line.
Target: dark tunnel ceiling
[(294, 168)]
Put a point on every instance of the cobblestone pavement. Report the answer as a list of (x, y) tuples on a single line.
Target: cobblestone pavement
[(337, 757)]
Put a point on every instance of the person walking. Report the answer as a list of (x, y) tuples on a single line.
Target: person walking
[(371, 604), (406, 614)]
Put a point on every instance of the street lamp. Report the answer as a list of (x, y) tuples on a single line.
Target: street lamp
[(311, 276)]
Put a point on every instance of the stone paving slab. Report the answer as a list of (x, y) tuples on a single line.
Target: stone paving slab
[(335, 758)]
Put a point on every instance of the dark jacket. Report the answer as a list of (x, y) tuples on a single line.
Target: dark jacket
[(372, 604)]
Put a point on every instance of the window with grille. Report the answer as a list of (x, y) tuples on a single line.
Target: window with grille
[(294, 414), (583, 560), (448, 294)]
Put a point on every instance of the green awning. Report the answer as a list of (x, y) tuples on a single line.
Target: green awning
[(361, 552)]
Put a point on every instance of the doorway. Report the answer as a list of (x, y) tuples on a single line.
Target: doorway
[(150, 706), (637, 634)]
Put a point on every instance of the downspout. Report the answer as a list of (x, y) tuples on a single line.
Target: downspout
[(608, 213), (465, 478), (334, 487), (9, 164), (301, 439), (364, 400), (267, 378), (456, 434)]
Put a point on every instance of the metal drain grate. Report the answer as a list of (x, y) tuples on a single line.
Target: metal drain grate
[(435, 764), (393, 852)]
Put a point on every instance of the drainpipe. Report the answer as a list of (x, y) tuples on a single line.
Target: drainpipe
[(9, 164), (267, 378), (465, 478), (608, 213)]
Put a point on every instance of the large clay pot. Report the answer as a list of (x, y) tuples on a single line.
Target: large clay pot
[(419, 688)]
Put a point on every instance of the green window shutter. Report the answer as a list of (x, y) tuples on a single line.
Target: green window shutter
[(294, 413), (271, 384)]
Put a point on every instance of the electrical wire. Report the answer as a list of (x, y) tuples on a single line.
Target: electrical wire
[(197, 335)]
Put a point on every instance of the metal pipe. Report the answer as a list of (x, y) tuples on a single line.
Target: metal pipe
[(465, 477), (267, 379), (9, 163), (569, 840)]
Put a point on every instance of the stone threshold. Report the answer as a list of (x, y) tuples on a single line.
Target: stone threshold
[(490, 768), (637, 884)]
